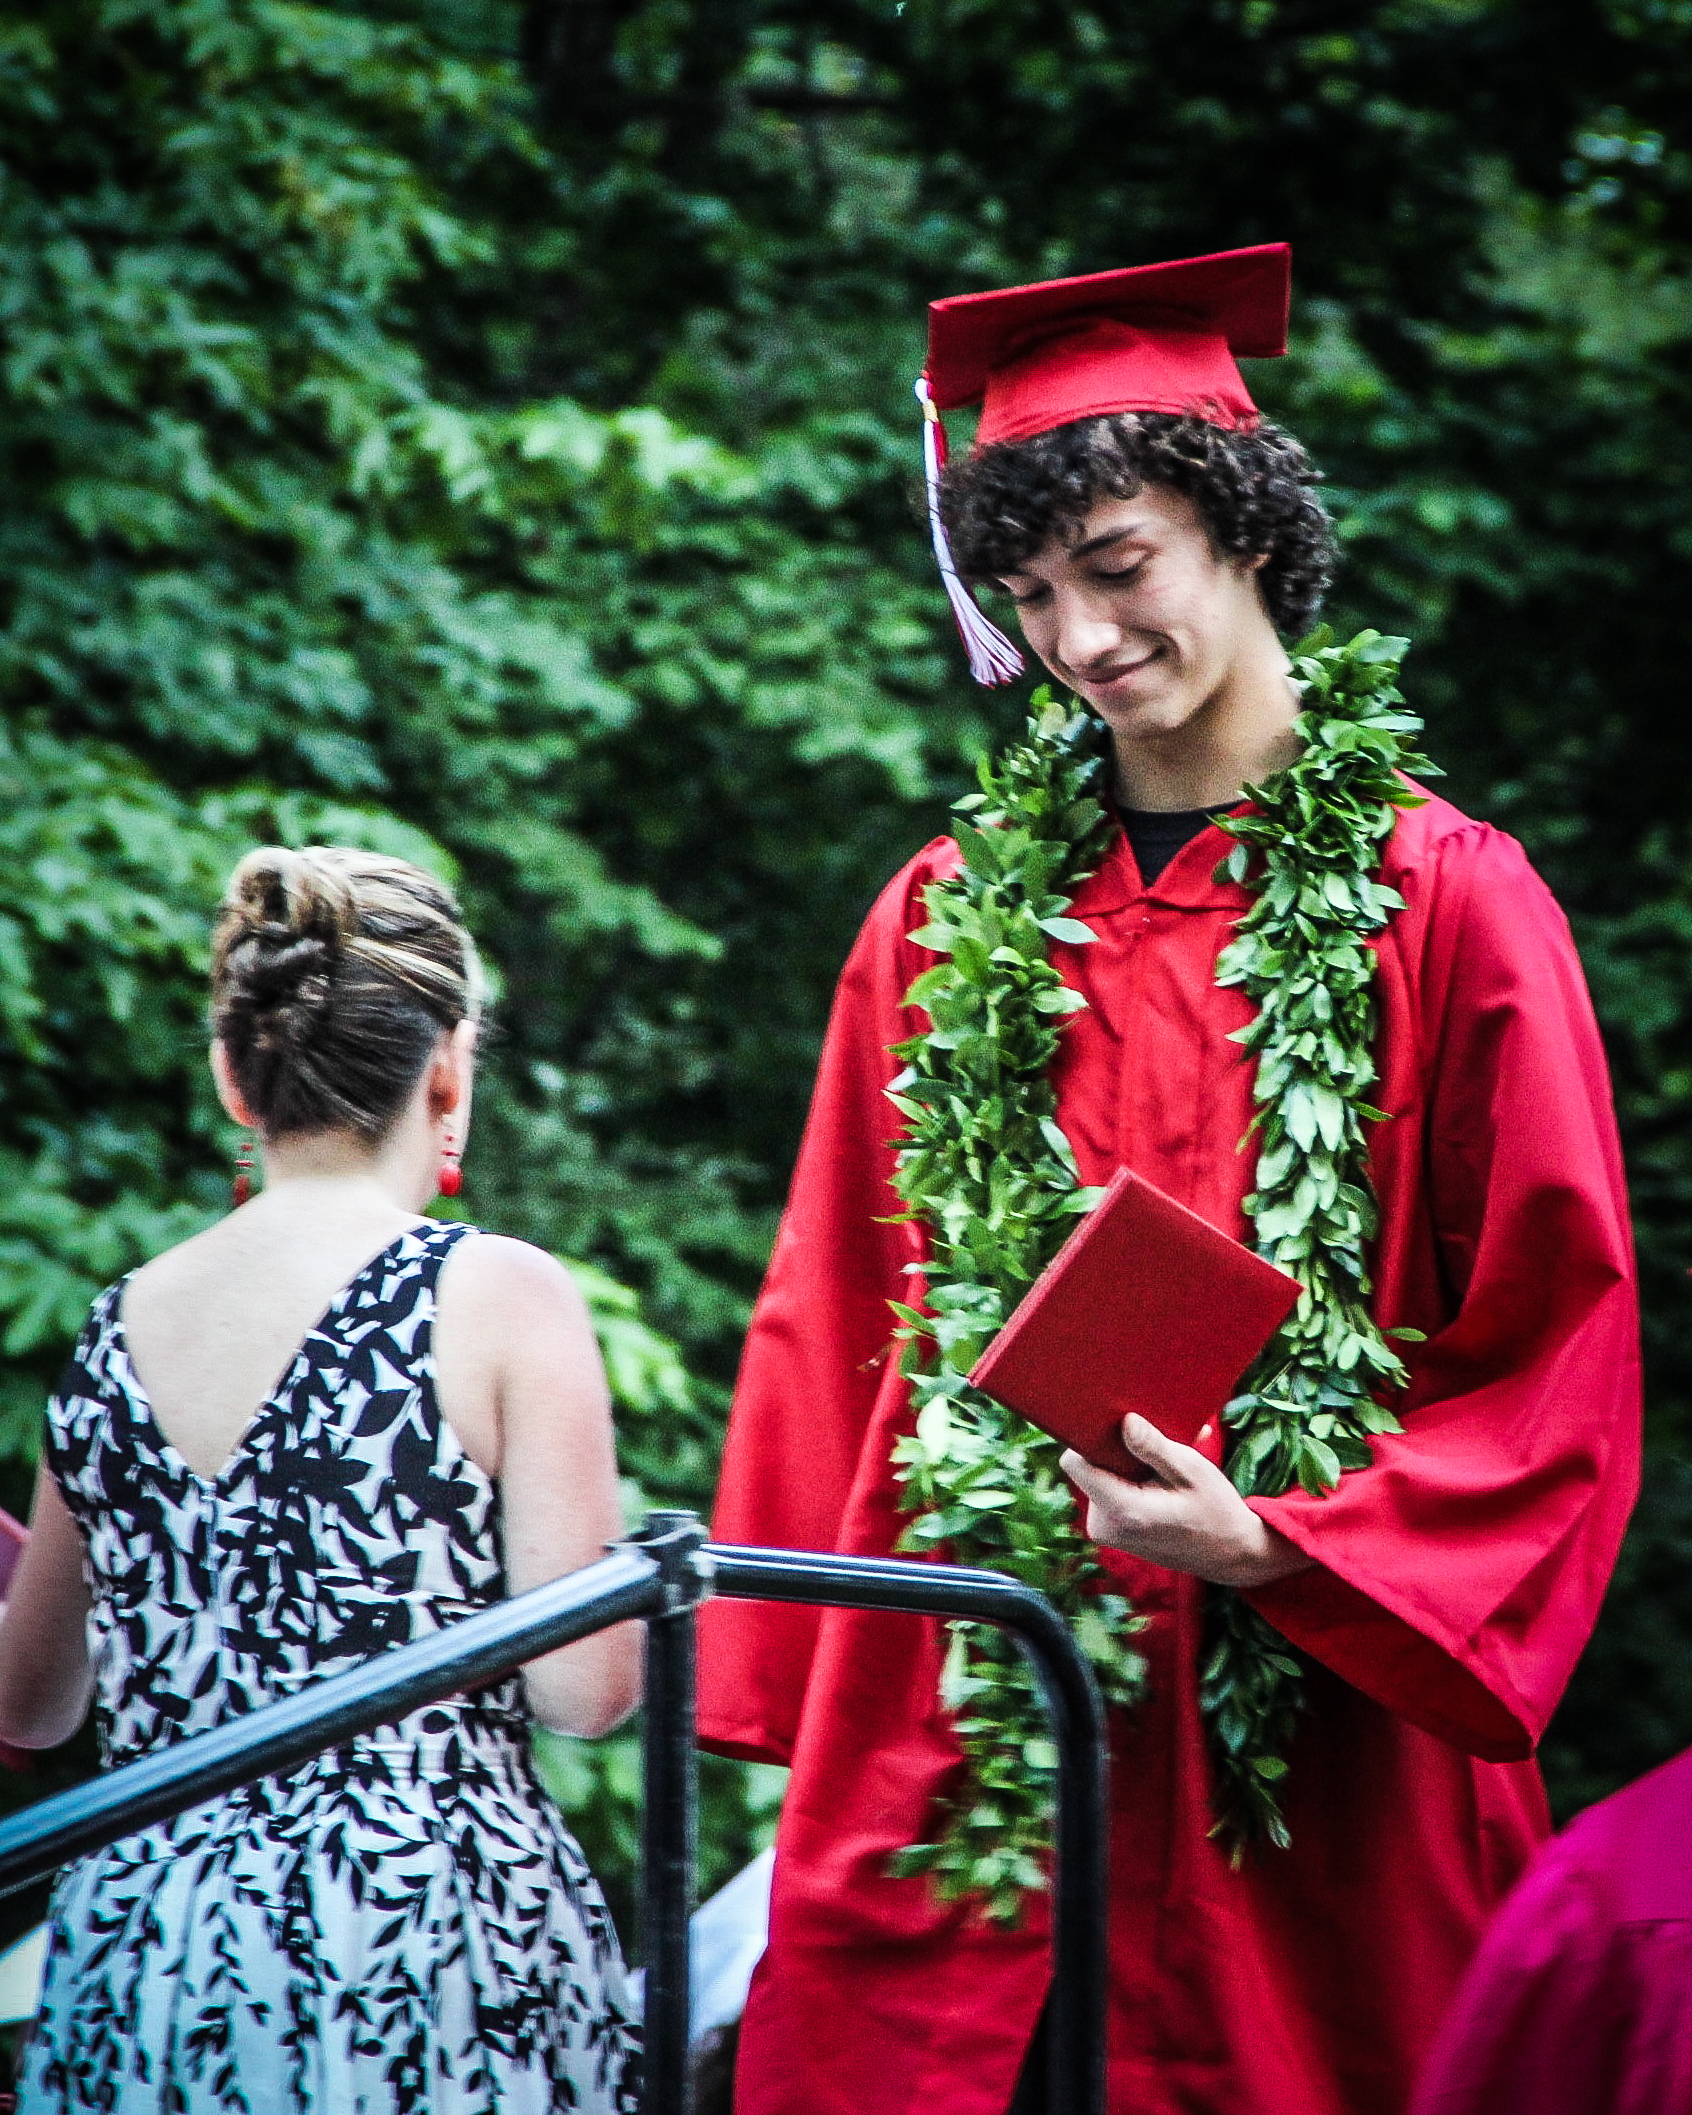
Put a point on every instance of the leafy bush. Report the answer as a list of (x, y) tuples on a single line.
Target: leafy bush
[(483, 429)]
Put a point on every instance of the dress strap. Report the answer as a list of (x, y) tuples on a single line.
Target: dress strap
[(422, 1265), (392, 1298), (436, 1240)]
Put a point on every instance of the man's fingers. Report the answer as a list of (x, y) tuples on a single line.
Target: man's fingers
[(1121, 1499), (1095, 1482), (1160, 1454), (1101, 1483)]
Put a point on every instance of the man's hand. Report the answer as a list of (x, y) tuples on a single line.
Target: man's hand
[(1188, 1516)]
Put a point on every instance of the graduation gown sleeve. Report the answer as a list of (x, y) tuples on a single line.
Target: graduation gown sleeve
[(1459, 1576), (821, 1338)]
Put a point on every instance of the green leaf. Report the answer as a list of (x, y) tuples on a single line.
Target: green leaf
[(931, 984), (934, 1425), (1070, 930)]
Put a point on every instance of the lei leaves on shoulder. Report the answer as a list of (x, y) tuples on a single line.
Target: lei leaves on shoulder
[(1314, 1401), (986, 1169)]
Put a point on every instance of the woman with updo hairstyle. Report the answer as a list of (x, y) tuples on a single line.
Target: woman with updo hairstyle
[(325, 1426)]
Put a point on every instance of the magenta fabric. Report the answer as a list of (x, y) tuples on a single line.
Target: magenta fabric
[(13, 1536), (1580, 2000)]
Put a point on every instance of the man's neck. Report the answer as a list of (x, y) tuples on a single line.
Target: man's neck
[(1238, 739)]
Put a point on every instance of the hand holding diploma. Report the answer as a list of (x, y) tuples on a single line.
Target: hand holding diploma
[(1183, 1514)]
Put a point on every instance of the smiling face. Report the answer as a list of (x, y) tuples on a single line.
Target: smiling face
[(1136, 612)]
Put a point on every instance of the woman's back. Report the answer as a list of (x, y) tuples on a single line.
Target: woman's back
[(345, 1516), (403, 1923), (327, 1426), (213, 1326)]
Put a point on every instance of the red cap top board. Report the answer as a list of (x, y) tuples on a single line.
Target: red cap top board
[(1151, 337), (1146, 1307)]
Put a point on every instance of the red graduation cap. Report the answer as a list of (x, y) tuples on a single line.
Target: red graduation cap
[(1153, 337)]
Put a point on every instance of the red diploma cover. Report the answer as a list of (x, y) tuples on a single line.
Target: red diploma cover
[(1145, 1307)]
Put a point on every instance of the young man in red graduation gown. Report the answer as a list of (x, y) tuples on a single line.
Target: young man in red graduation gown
[(1158, 541)]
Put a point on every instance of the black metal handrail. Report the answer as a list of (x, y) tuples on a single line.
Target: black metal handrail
[(1080, 1910), (660, 1577)]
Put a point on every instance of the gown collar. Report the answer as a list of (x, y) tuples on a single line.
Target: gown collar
[(1187, 883)]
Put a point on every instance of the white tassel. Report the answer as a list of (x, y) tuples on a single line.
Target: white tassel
[(992, 657)]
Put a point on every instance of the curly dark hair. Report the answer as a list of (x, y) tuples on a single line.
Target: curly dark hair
[(1254, 488)]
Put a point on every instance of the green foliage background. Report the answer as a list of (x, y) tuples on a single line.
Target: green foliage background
[(482, 427)]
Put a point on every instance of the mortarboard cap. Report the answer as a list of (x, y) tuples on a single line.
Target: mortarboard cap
[(1152, 337), (1156, 337)]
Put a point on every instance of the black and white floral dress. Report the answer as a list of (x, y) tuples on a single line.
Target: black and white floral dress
[(404, 1923)]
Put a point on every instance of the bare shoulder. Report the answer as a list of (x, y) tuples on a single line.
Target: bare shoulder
[(182, 1269), (497, 1279)]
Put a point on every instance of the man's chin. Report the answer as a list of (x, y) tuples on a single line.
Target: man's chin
[(1151, 718)]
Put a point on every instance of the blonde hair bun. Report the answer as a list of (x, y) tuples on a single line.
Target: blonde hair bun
[(334, 972)]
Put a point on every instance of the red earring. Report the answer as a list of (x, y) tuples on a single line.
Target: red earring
[(244, 1172), (451, 1178)]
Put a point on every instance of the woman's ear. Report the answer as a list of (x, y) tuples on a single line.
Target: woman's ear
[(451, 1070), (228, 1093)]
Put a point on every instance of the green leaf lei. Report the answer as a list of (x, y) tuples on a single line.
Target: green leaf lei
[(1314, 1400), (986, 1169)]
